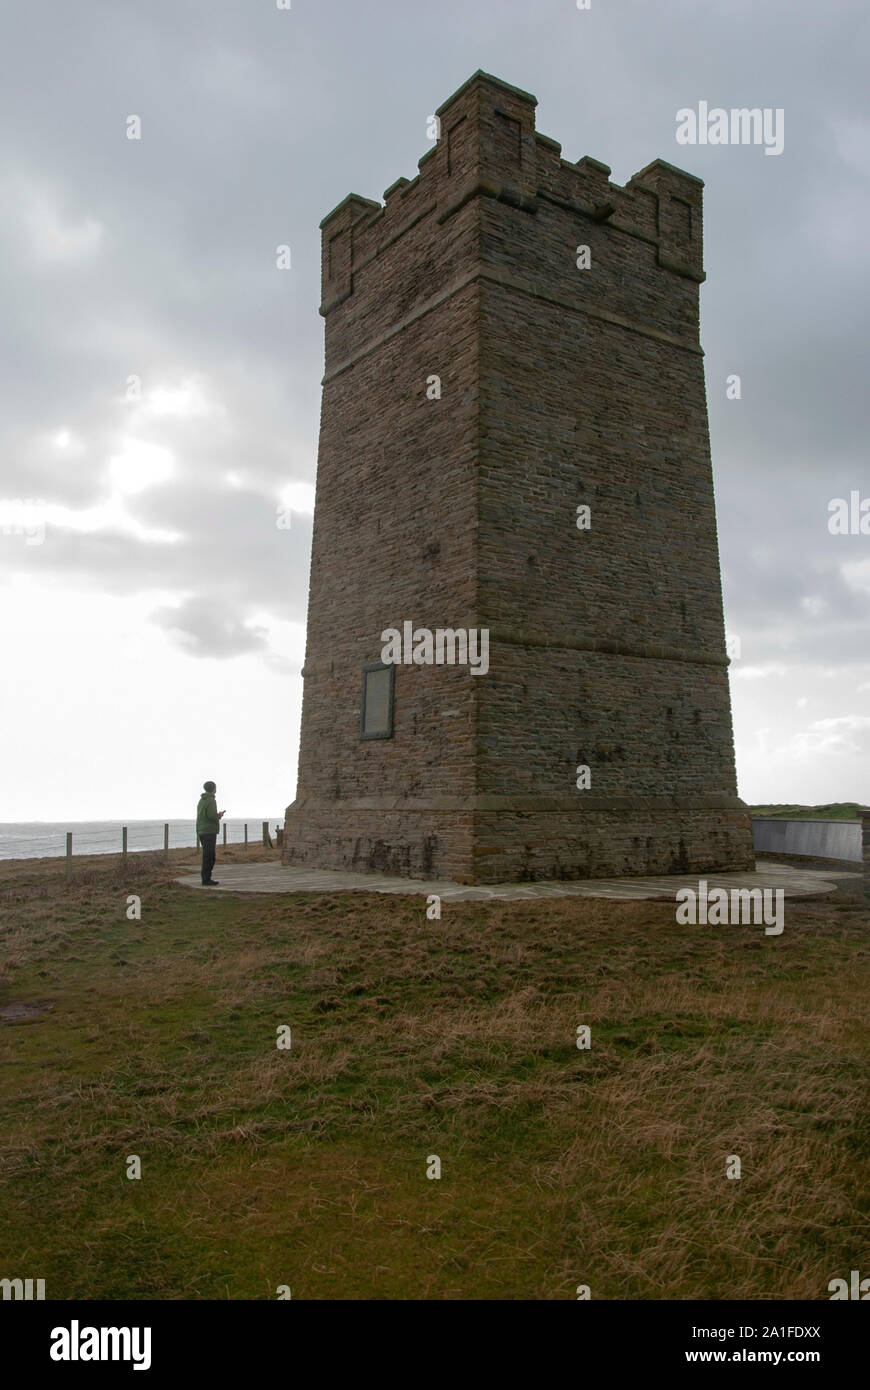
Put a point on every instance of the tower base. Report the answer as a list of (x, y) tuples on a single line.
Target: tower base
[(480, 843)]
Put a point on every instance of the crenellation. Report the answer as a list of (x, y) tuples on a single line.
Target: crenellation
[(400, 185), (587, 183), (489, 149), (679, 198)]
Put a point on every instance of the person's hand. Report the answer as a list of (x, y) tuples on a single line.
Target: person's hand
[(221, 814)]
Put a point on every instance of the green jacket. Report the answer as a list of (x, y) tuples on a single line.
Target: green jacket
[(207, 819)]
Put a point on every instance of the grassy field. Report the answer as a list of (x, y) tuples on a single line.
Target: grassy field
[(410, 1038)]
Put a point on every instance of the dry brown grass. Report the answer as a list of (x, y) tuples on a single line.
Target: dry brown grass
[(413, 1038)]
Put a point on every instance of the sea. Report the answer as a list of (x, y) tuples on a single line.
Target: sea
[(47, 839)]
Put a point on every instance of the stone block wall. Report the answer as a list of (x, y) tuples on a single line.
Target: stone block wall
[(560, 386)]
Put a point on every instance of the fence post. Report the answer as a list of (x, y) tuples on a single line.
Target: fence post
[(124, 842), (225, 833), (69, 854), (865, 840), (166, 843), (267, 838), (246, 837)]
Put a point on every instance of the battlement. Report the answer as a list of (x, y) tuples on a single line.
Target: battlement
[(488, 147)]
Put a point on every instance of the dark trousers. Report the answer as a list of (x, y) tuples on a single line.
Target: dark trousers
[(208, 843)]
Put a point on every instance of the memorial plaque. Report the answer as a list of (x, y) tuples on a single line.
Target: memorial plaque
[(376, 713)]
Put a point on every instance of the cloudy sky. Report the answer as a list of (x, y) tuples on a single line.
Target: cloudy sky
[(161, 375)]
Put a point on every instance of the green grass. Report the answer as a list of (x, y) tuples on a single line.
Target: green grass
[(410, 1038)]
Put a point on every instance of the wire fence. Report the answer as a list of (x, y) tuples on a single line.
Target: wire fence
[(54, 840)]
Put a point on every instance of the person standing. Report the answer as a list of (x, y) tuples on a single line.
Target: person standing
[(208, 822)]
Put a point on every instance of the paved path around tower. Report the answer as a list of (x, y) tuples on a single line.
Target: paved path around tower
[(281, 878)]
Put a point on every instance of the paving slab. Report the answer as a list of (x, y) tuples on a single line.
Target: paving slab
[(283, 878)]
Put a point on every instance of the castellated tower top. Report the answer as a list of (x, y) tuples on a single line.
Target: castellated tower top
[(488, 147)]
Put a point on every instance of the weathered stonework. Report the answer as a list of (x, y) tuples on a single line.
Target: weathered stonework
[(560, 387)]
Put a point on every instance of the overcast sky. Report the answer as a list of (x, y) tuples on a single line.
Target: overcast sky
[(155, 637)]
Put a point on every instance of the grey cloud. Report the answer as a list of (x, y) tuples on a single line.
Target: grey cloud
[(206, 627), (256, 122)]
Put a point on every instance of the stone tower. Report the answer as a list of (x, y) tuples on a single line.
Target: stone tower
[(485, 378)]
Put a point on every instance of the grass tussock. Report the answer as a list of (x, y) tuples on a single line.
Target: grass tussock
[(413, 1038)]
